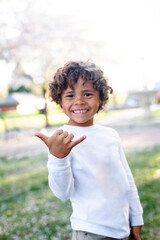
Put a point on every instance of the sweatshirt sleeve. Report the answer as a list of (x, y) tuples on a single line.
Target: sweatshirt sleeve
[(135, 208), (60, 177)]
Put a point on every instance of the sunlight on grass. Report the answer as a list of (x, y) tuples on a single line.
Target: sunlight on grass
[(22, 176), (157, 173)]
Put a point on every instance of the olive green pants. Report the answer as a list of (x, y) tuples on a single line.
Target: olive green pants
[(80, 235)]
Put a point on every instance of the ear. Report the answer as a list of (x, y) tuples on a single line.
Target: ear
[(60, 103), (100, 106)]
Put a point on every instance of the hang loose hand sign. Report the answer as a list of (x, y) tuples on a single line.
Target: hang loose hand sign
[(60, 143)]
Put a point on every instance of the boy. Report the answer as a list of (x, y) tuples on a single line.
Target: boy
[(86, 162)]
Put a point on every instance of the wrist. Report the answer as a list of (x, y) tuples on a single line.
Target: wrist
[(55, 163), (60, 156)]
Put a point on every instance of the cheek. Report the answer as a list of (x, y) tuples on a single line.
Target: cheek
[(65, 106)]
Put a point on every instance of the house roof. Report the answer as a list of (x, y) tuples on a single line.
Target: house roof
[(8, 101)]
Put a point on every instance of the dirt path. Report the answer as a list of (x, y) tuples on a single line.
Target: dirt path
[(139, 138)]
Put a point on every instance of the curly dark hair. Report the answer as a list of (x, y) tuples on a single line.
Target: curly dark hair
[(69, 75)]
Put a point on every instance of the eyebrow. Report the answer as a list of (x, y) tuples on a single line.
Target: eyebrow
[(88, 90), (69, 92), (82, 91)]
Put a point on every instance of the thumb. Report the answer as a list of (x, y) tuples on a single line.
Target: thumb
[(77, 141), (43, 137)]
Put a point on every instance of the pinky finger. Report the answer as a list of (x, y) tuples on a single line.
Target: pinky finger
[(77, 141)]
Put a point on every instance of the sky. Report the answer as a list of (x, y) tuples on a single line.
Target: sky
[(129, 29)]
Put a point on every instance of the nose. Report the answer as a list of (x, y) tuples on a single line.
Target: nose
[(79, 100)]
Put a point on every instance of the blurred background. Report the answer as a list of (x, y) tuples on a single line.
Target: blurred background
[(36, 38)]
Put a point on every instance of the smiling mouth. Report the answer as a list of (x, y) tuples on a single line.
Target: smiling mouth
[(80, 111)]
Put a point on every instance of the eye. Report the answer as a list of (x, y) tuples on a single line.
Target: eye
[(69, 96), (88, 94)]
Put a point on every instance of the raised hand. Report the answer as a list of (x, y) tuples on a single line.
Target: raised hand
[(60, 143)]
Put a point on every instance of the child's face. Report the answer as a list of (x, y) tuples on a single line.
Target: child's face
[(81, 103)]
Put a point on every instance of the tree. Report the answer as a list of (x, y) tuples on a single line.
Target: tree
[(35, 38)]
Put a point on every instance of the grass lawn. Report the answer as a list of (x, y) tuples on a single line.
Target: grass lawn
[(28, 209)]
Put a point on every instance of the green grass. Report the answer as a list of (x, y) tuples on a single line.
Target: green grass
[(28, 209), (146, 170)]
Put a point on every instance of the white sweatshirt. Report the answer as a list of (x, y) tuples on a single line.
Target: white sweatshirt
[(96, 177)]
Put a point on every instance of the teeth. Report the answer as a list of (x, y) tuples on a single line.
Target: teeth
[(80, 111)]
